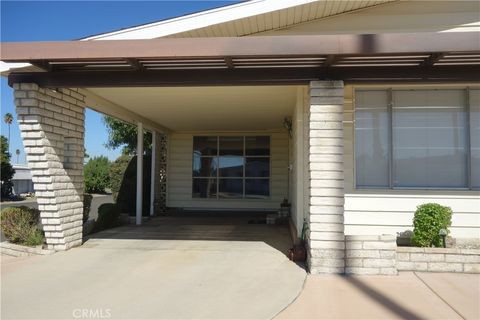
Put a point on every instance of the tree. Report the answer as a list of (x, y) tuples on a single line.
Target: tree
[(122, 134), (96, 174), (8, 118), (6, 169), (17, 152)]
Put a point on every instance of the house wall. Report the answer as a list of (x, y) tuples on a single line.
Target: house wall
[(376, 212), (299, 147), (179, 173), (400, 16), (22, 186)]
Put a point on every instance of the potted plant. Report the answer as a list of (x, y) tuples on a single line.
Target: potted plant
[(299, 251)]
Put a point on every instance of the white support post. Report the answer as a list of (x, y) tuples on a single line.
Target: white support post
[(152, 174), (138, 217)]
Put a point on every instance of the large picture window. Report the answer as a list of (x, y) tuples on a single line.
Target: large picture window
[(417, 138), (231, 167)]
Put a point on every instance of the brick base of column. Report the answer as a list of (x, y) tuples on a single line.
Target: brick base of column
[(52, 127), (371, 255)]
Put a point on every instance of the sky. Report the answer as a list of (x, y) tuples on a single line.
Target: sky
[(70, 20)]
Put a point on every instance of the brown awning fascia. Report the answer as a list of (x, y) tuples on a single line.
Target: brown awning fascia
[(226, 77), (393, 43)]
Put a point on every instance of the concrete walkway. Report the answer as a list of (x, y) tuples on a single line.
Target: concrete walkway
[(407, 296), (158, 271)]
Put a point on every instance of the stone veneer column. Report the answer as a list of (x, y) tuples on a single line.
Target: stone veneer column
[(52, 127), (161, 174), (326, 237)]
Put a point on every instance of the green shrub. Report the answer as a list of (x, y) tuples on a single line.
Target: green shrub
[(34, 238), (123, 175), (429, 219), (6, 170), (117, 172), (87, 203), (96, 173), (108, 216), (20, 225)]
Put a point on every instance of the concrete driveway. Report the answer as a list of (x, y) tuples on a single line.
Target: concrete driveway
[(409, 296), (158, 271)]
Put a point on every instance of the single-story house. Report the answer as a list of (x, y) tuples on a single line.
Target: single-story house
[(22, 180), (355, 112)]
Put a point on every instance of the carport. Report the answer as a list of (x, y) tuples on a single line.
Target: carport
[(277, 101)]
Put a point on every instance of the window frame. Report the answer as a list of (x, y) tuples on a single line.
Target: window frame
[(217, 177), (389, 90)]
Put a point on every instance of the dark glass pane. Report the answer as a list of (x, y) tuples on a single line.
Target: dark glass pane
[(257, 188), (257, 167), (204, 188), (231, 166), (231, 146), (230, 188), (205, 166), (205, 146), (257, 146)]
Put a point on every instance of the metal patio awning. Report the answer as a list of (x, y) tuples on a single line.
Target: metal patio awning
[(249, 60)]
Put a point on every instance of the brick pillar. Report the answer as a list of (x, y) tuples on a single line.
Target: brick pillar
[(161, 174), (326, 252), (52, 127)]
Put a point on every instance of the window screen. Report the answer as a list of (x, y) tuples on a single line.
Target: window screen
[(475, 137), (371, 139), (428, 134)]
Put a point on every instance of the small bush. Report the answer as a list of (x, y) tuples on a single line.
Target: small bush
[(108, 216), (87, 203), (96, 173), (20, 225), (429, 219)]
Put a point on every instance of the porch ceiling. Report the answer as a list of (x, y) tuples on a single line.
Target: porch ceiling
[(235, 108)]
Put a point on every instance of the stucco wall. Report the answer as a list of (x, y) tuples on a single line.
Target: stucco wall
[(179, 193)]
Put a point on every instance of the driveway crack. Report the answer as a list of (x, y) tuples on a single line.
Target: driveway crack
[(440, 297)]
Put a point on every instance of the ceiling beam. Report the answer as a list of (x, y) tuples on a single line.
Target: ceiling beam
[(299, 45), (261, 76), (136, 65), (229, 62), (432, 59), (42, 64)]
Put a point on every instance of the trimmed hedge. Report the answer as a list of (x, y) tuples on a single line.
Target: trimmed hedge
[(87, 203), (123, 177), (429, 219), (20, 225)]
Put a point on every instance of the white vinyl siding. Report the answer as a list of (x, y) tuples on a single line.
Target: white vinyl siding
[(387, 211), (179, 192)]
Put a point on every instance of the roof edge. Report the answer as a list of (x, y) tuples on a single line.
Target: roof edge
[(198, 20)]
